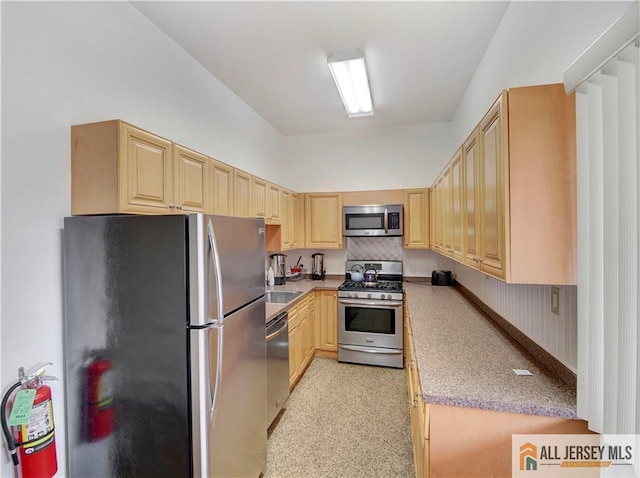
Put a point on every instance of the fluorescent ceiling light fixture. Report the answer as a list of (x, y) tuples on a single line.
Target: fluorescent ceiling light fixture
[(350, 74)]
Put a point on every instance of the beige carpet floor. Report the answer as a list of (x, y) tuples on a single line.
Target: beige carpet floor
[(343, 420)]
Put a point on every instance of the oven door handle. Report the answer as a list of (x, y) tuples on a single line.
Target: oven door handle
[(371, 351), (374, 303)]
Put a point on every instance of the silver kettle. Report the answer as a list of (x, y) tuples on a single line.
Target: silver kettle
[(317, 271)]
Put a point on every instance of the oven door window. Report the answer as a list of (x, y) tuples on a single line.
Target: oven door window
[(371, 321)]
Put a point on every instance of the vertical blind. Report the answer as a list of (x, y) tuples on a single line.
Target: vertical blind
[(606, 79)]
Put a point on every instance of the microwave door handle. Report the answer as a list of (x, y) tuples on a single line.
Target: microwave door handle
[(386, 221)]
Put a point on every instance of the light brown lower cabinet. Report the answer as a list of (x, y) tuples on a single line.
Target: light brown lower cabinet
[(313, 330), (301, 337), (469, 442), (419, 411), (326, 311)]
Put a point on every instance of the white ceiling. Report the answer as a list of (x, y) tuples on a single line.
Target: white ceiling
[(420, 55)]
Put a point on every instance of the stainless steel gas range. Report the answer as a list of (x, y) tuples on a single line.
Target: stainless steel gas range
[(370, 315)]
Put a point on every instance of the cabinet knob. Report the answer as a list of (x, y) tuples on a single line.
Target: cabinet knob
[(172, 206), (179, 207)]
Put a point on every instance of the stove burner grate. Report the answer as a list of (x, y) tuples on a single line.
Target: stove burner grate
[(394, 286)]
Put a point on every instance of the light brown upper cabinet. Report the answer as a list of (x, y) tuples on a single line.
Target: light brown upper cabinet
[(323, 220), (191, 172), (274, 206), (437, 224), (259, 192), (285, 221), (455, 191), (493, 200), (470, 200), (118, 168), (242, 194), (416, 218), (293, 220), (222, 188), (519, 189)]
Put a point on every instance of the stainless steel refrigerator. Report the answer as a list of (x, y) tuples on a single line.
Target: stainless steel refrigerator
[(165, 349)]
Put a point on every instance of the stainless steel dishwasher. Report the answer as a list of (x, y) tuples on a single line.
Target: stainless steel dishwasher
[(277, 365)]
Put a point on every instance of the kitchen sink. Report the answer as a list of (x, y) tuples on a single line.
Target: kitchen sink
[(281, 296)]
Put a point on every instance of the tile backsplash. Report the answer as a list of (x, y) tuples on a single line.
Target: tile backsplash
[(380, 248)]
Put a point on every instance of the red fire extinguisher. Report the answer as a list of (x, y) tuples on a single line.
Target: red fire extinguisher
[(99, 412), (34, 437)]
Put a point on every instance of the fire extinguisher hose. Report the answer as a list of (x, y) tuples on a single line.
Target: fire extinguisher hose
[(11, 442)]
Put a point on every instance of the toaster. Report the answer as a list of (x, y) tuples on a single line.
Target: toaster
[(441, 278)]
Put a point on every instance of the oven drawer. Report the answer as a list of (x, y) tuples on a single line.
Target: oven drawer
[(370, 356)]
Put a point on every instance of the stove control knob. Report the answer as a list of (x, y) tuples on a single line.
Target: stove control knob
[(382, 296), (368, 296)]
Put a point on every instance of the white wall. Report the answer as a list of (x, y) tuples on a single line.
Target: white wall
[(383, 158), (535, 42), (70, 63)]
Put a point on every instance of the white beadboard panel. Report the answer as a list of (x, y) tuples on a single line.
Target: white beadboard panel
[(527, 307), (421, 262)]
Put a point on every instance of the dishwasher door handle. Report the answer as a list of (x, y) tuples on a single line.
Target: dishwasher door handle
[(277, 332)]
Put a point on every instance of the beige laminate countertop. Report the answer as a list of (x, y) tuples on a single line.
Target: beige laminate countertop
[(304, 286), (464, 360)]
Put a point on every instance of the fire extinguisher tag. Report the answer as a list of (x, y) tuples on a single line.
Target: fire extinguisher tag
[(21, 411)]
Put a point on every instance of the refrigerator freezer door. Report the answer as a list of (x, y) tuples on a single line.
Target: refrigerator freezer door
[(126, 351), (229, 394), (226, 265)]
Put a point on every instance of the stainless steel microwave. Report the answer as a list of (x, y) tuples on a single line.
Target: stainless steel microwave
[(374, 220)]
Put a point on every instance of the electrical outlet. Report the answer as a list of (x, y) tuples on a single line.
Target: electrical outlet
[(555, 300)]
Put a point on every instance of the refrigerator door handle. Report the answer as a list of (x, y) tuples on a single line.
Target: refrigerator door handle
[(215, 258), (214, 388)]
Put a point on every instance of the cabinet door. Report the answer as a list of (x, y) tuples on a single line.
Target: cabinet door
[(285, 204), (326, 315), (416, 218), (259, 197), (323, 218), (471, 193), (293, 223), (446, 211), (456, 206), (294, 352), (146, 172), (274, 208), (492, 196), (191, 184), (242, 205), (222, 188), (438, 216), (308, 338)]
